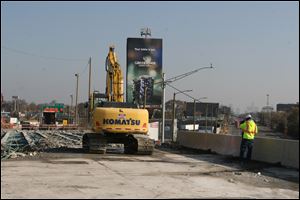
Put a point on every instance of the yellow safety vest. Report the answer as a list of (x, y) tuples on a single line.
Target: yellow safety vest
[(249, 129)]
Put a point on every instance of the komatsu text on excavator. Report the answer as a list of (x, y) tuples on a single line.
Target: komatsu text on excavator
[(113, 120)]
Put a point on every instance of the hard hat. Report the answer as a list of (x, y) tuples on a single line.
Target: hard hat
[(248, 116)]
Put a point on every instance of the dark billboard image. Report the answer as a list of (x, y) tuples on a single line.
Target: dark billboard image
[(144, 70)]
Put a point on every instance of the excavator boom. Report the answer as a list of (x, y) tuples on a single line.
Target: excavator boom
[(114, 77)]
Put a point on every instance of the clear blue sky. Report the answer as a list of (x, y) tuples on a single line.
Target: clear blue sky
[(254, 47)]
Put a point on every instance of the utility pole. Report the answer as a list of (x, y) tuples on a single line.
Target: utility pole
[(89, 92), (194, 114), (76, 108), (269, 111), (173, 119), (212, 113), (70, 109), (15, 102), (163, 109), (145, 96), (216, 119), (206, 117)]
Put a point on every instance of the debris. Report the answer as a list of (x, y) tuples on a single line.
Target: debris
[(231, 180), (15, 155), (31, 142), (237, 173)]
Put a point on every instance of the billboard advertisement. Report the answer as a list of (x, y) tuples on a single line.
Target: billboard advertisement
[(144, 71)]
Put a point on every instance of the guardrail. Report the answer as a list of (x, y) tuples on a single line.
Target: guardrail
[(270, 150)]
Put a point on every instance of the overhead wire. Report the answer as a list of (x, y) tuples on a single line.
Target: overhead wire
[(180, 91), (84, 70), (40, 56), (45, 57)]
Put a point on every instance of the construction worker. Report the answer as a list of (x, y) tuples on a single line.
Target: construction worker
[(249, 130)]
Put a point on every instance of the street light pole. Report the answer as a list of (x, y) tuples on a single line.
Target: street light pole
[(174, 136), (76, 108), (194, 117), (70, 109), (89, 92), (173, 119), (211, 117), (206, 117), (194, 114), (164, 82)]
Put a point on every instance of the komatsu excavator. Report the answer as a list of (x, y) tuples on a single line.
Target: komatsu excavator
[(113, 120)]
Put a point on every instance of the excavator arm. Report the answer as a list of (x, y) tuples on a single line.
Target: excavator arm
[(114, 77)]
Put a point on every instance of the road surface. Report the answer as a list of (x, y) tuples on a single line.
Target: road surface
[(168, 173)]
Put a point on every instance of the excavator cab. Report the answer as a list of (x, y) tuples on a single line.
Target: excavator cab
[(101, 100), (98, 99)]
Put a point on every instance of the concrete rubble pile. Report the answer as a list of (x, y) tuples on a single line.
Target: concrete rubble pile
[(17, 143)]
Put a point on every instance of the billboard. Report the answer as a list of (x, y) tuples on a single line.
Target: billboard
[(144, 71)]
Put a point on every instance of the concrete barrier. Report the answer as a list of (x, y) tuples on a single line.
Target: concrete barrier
[(270, 150)]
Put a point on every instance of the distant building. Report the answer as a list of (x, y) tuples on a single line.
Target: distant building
[(5, 114), (207, 117), (51, 113), (202, 109), (285, 107)]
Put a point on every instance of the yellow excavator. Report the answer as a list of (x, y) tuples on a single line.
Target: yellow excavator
[(113, 120)]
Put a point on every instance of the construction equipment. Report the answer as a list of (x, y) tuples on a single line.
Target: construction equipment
[(113, 120)]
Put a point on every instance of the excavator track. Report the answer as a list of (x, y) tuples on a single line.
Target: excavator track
[(133, 143), (94, 143), (139, 144)]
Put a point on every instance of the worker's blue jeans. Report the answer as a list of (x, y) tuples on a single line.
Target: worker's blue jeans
[(246, 146)]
